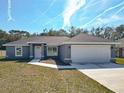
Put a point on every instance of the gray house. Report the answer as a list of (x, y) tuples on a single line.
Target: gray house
[(120, 48), (79, 49)]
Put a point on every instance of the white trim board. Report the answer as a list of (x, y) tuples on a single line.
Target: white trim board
[(15, 45), (90, 43), (37, 42)]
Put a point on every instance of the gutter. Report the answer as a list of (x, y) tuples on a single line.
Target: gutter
[(15, 45), (91, 43)]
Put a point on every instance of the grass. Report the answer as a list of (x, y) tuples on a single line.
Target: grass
[(119, 60), (24, 78)]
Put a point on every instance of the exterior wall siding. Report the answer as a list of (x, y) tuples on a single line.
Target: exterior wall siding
[(64, 52), (10, 52), (121, 52), (113, 52)]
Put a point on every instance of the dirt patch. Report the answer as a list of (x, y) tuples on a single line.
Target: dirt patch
[(54, 61)]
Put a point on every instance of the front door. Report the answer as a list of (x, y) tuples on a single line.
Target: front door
[(37, 52)]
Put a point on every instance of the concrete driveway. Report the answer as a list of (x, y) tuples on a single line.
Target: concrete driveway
[(109, 75)]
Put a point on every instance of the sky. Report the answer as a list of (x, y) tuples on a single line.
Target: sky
[(35, 15)]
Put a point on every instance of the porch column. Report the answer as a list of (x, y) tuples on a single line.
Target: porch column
[(45, 50), (31, 50), (42, 51)]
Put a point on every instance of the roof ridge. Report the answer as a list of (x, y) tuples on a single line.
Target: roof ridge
[(84, 37), (49, 36)]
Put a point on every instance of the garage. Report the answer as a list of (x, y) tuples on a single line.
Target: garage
[(90, 53)]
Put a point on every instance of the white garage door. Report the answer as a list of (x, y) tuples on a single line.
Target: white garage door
[(90, 53)]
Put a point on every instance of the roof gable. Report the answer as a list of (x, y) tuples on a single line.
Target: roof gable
[(87, 38)]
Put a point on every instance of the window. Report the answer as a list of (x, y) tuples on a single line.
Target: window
[(18, 51), (52, 51)]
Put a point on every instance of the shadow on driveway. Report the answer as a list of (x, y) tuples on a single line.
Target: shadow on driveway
[(98, 65), (60, 65)]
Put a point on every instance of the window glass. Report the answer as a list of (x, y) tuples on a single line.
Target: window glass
[(18, 51), (52, 51)]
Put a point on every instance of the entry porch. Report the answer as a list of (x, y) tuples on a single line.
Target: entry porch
[(42, 50)]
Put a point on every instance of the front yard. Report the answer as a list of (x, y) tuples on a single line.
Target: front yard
[(20, 77)]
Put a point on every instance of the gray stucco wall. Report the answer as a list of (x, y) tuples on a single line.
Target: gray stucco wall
[(113, 52), (10, 52), (64, 52)]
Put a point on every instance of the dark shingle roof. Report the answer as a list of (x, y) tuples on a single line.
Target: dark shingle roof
[(87, 38), (50, 40), (58, 40), (121, 42)]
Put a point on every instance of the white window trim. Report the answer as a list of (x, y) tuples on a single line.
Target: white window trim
[(16, 52), (52, 46)]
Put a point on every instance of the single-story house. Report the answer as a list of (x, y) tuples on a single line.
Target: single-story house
[(82, 48)]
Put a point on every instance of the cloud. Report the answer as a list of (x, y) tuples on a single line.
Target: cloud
[(116, 17), (122, 8), (71, 8), (111, 8), (9, 11), (91, 4)]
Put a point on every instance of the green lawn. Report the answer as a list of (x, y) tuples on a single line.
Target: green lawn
[(119, 60), (18, 77)]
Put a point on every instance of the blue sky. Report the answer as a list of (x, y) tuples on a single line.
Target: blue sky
[(35, 15)]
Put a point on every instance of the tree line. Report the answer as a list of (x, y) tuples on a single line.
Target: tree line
[(106, 32)]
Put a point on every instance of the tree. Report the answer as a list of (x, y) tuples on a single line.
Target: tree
[(103, 32), (72, 31), (97, 31), (3, 38), (75, 31), (108, 33), (120, 31), (19, 33), (62, 32)]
